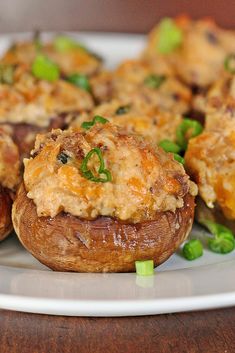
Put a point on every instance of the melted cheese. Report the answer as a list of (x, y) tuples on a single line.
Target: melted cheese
[(144, 180)]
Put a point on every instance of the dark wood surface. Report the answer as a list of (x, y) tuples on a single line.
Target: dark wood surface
[(106, 15), (198, 332)]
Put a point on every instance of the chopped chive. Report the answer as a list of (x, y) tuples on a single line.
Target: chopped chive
[(45, 69), (123, 109), (192, 249), (229, 63), (97, 119), (80, 80), (87, 173), (144, 268), (154, 81), (170, 36), (223, 241), (64, 43), (187, 129), (178, 158), (169, 146), (215, 228)]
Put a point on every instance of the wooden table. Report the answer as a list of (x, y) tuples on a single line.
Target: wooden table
[(210, 331), (198, 332)]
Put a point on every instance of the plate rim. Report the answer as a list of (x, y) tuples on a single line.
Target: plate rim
[(100, 307)]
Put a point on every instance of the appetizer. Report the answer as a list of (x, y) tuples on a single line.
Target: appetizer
[(210, 160), (29, 105), (70, 56), (9, 178), (195, 50), (98, 200), (136, 117), (137, 80)]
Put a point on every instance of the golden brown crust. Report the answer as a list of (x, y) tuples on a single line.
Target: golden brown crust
[(67, 243), (69, 61), (144, 179), (5, 213)]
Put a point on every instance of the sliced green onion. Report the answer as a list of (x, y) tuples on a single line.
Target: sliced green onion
[(80, 80), (45, 69), (223, 241), (63, 157), (64, 43), (169, 146), (144, 268), (192, 249), (123, 109), (187, 129), (178, 158), (154, 81), (229, 63), (6, 74), (97, 119), (87, 173), (215, 228), (170, 36)]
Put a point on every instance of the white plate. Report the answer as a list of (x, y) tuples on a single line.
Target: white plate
[(178, 285)]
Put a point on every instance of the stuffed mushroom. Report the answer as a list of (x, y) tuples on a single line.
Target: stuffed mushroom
[(9, 179), (137, 117), (210, 161), (29, 105), (100, 199)]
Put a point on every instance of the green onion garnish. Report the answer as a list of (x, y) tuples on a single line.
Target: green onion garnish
[(6, 74), (170, 36), (229, 63), (187, 129), (87, 173), (80, 80), (97, 119), (223, 241), (154, 81), (123, 109), (169, 146), (64, 43), (192, 249), (178, 158), (144, 268), (45, 69)]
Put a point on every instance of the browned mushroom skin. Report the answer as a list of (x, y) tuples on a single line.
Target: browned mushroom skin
[(5, 213), (24, 134), (68, 243)]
